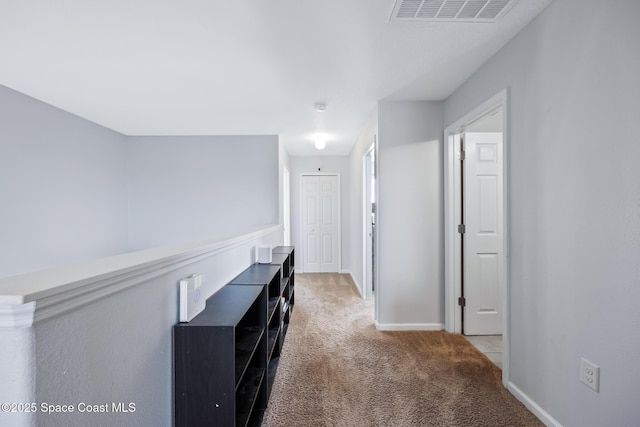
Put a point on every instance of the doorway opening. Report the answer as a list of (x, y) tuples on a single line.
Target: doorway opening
[(476, 288), (369, 221)]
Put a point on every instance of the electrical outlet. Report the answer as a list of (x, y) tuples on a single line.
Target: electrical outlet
[(590, 374)]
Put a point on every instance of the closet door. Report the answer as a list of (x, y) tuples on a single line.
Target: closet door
[(320, 223)]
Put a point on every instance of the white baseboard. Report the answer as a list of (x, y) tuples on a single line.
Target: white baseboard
[(409, 326), (531, 405), (354, 281)]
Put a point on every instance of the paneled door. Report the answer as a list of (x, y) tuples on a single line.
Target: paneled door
[(482, 238), (320, 223)]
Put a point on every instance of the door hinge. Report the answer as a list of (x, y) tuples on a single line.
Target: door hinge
[(462, 302), (462, 154), (461, 228)]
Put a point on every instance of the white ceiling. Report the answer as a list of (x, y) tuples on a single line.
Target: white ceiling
[(250, 67)]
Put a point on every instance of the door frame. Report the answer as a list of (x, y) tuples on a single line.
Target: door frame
[(286, 205), (366, 216), (337, 174), (452, 215)]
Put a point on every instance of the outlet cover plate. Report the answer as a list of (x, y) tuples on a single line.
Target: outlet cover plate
[(590, 374)]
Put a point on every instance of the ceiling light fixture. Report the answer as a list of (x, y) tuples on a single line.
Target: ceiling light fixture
[(320, 142)]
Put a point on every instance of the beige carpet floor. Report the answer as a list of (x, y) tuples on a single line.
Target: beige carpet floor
[(336, 369)]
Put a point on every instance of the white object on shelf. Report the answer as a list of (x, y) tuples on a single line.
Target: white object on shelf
[(191, 300), (264, 254)]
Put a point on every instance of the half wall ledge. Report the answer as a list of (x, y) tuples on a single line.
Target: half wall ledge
[(28, 299)]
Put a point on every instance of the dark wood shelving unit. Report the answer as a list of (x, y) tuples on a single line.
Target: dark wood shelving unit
[(267, 276), (226, 358), (221, 360), (285, 256)]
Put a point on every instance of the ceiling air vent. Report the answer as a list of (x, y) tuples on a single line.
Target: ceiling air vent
[(450, 10)]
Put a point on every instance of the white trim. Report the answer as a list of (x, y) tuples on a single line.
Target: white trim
[(366, 216), (286, 206), (531, 405), (16, 316), (355, 282), (376, 231), (409, 326), (453, 311), (337, 174), (35, 297), (363, 292)]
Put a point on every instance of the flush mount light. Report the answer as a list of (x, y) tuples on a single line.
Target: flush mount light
[(320, 142), (320, 107)]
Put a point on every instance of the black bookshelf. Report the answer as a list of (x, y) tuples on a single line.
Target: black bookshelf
[(226, 358), (288, 272), (268, 277), (221, 360)]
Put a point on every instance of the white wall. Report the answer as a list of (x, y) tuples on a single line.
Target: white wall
[(17, 375), (410, 215), (356, 215), (72, 190), (574, 205), (323, 164), (184, 188), (62, 187)]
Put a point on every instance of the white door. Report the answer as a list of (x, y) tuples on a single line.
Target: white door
[(482, 238), (320, 223)]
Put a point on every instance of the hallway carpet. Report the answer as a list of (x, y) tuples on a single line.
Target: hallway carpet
[(336, 369)]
